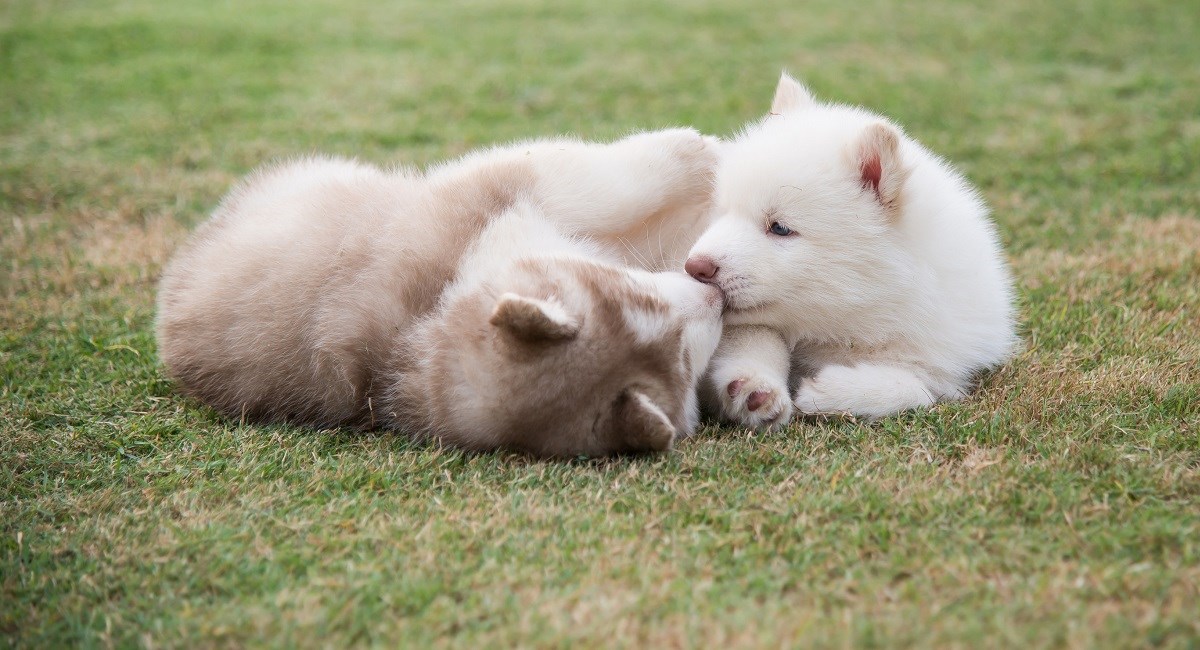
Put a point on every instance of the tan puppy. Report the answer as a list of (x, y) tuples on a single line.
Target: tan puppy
[(464, 305)]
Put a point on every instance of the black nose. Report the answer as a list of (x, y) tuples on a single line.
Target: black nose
[(701, 268)]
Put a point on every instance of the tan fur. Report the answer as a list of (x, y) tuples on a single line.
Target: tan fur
[(330, 293), (527, 320), (532, 387)]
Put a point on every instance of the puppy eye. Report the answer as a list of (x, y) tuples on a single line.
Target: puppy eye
[(779, 229)]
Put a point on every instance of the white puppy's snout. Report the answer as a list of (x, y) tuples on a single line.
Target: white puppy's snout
[(702, 267)]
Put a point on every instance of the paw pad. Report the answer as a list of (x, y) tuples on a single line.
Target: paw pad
[(756, 399), (735, 387)]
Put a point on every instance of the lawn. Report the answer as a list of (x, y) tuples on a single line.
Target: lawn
[(1059, 506)]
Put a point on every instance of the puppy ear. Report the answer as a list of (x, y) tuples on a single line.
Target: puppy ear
[(532, 320), (879, 165), (790, 95), (640, 424)]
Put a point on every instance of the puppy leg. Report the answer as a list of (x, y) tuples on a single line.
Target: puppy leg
[(644, 198), (611, 189), (594, 187), (747, 378), (867, 390)]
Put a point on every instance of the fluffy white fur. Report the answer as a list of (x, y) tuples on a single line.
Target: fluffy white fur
[(883, 286)]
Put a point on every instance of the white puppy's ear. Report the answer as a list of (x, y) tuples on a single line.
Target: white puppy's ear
[(640, 424), (790, 95), (879, 165), (532, 320)]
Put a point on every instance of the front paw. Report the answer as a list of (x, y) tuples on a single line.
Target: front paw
[(755, 402), (684, 155), (864, 391)]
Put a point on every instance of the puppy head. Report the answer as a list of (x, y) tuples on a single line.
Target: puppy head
[(807, 204), (573, 358)]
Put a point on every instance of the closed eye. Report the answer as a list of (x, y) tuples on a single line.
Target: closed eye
[(780, 230)]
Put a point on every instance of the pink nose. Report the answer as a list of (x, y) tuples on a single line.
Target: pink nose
[(701, 268)]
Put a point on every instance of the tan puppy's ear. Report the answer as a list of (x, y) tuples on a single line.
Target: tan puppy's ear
[(879, 166), (532, 320), (640, 424), (790, 95)]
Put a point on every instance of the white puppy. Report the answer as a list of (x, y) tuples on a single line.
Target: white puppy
[(853, 258)]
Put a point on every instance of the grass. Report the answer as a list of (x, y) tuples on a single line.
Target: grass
[(1057, 507)]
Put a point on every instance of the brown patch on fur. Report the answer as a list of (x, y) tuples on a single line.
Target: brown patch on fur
[(640, 425), (528, 322)]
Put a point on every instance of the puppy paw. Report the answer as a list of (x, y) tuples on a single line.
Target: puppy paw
[(813, 397), (755, 402), (695, 154), (682, 156), (865, 390)]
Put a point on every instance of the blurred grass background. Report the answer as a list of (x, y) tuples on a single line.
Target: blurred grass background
[(1056, 508)]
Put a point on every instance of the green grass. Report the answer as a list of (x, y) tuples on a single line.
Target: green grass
[(1060, 506)]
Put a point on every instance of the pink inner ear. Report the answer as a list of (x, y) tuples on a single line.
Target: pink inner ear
[(872, 171)]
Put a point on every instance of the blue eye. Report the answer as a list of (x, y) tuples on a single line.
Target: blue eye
[(779, 229)]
